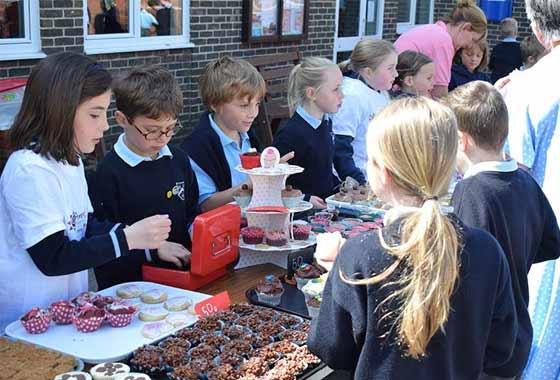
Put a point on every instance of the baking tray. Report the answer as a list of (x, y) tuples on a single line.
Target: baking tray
[(292, 302), (107, 344)]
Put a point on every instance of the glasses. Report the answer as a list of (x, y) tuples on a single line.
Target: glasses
[(155, 135)]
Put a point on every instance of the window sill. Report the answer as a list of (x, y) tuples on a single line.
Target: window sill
[(21, 56), (92, 50)]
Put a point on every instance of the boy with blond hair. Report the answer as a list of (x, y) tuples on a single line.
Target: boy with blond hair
[(506, 55), (142, 175), (497, 196), (232, 90)]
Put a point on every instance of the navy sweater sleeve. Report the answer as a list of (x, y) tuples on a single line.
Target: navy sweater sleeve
[(503, 329), (344, 161), (550, 242), (56, 255), (342, 314)]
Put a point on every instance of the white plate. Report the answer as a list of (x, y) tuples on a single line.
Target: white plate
[(108, 344), (281, 169)]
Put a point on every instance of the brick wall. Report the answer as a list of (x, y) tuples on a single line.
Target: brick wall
[(215, 31), (443, 7)]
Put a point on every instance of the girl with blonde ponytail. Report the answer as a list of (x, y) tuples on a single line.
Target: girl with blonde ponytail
[(314, 90), (426, 297)]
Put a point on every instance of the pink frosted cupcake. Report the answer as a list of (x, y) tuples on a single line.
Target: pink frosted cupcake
[(36, 321), (62, 312), (119, 314), (88, 318), (301, 231), (252, 235)]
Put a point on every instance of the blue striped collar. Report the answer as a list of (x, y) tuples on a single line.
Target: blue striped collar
[(133, 159)]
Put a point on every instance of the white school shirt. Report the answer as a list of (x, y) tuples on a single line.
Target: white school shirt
[(359, 106), (38, 197)]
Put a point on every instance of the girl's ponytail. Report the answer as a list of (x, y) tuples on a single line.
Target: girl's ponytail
[(418, 147), (309, 73)]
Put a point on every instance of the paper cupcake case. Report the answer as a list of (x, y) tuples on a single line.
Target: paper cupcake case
[(62, 314), (87, 325), (119, 320), (37, 325)]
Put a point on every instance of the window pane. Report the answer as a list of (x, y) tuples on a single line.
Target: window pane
[(12, 22), (264, 18), (371, 17), (107, 16), (161, 18), (422, 12), (292, 17), (348, 18), (403, 14)]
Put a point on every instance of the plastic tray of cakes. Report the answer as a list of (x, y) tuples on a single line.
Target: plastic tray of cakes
[(300, 295), (355, 199), (127, 315), (242, 342)]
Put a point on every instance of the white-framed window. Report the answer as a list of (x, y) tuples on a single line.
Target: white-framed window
[(112, 26), (414, 12), (19, 30)]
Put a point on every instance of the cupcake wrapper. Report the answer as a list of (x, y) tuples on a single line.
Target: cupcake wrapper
[(291, 202), (301, 236), (119, 320), (62, 315), (313, 311), (273, 300), (88, 324), (248, 240), (37, 325)]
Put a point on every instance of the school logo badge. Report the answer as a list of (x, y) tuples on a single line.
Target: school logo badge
[(179, 190)]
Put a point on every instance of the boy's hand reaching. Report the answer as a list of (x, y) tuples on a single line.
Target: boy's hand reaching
[(317, 202), (174, 253), (148, 233), (287, 157)]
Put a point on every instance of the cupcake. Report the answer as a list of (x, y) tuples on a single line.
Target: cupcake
[(251, 159), (252, 235), (291, 198), (83, 299), (36, 321), (108, 371), (62, 312), (88, 318), (301, 231), (314, 287), (306, 272), (74, 375), (313, 306), (243, 222), (276, 238), (270, 290), (119, 314), (243, 196), (101, 302)]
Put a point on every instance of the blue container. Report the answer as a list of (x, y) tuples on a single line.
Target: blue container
[(496, 10)]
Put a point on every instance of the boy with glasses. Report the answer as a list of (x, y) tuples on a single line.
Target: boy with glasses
[(142, 175)]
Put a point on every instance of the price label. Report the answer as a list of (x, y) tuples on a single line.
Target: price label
[(295, 259), (212, 305)]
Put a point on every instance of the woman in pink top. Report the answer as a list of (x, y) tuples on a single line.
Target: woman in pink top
[(465, 25)]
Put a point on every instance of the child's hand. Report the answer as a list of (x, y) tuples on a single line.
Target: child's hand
[(287, 157), (148, 233), (328, 246), (317, 202), (174, 253)]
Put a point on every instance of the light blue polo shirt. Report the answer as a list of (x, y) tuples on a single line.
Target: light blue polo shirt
[(232, 150), (133, 159)]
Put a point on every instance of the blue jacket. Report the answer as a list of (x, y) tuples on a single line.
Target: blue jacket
[(460, 75)]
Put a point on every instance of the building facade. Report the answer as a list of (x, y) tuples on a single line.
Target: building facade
[(119, 35)]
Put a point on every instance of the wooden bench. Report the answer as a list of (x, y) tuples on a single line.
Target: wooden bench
[(275, 70)]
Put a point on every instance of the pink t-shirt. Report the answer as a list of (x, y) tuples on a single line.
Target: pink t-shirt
[(434, 41)]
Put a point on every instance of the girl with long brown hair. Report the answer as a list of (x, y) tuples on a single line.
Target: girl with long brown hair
[(426, 297)]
